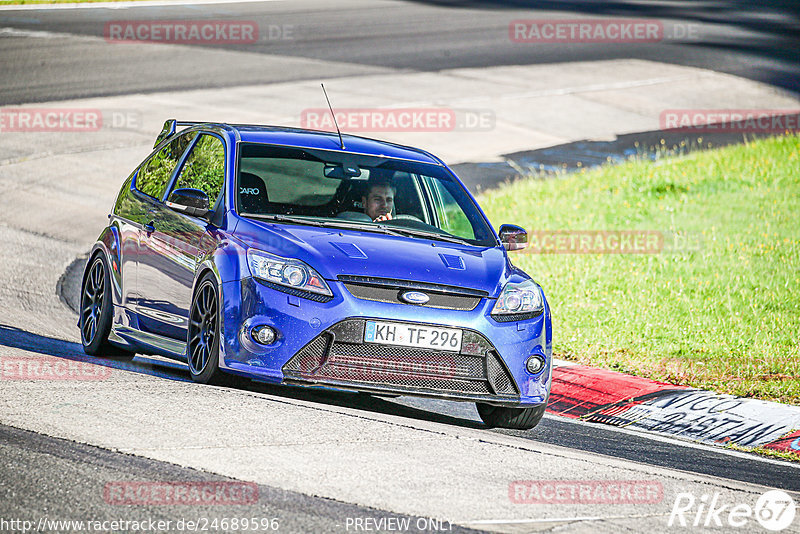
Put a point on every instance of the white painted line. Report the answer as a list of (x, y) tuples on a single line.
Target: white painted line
[(679, 442), (41, 34), (553, 519), (126, 5), (562, 363)]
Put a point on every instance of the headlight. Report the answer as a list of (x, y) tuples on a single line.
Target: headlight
[(525, 297), (286, 272)]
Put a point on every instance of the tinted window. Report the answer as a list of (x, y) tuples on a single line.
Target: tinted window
[(308, 186), (154, 175), (449, 214), (292, 181), (205, 167)]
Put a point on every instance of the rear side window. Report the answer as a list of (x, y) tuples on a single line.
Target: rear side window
[(154, 175), (205, 167)]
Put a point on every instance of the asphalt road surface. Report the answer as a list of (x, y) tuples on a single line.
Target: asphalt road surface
[(59, 486), (759, 41), (52, 55)]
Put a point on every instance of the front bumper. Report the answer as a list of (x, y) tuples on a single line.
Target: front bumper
[(340, 357), (322, 344)]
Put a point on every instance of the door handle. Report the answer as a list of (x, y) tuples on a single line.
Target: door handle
[(149, 227)]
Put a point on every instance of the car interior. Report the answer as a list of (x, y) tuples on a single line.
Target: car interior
[(344, 203)]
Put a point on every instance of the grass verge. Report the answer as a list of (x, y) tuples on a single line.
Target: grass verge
[(717, 307), (769, 453)]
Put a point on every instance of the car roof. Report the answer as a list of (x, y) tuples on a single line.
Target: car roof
[(314, 139)]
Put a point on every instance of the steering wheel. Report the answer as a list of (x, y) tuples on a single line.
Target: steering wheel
[(404, 216)]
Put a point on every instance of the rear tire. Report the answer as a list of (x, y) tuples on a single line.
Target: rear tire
[(514, 418), (202, 347), (97, 311)]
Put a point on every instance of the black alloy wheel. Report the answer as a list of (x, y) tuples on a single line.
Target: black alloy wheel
[(202, 349), (96, 311)]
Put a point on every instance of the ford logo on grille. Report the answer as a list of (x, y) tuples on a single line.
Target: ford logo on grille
[(415, 297)]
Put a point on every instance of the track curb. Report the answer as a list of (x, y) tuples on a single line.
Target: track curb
[(609, 397)]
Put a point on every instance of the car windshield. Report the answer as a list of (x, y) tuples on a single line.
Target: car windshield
[(371, 193)]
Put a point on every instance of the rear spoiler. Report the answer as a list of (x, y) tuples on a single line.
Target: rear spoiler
[(169, 128)]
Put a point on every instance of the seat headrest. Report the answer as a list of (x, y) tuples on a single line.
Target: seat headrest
[(253, 193)]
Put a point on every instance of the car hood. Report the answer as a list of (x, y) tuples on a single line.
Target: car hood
[(334, 252)]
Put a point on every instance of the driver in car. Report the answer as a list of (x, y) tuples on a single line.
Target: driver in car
[(379, 200)]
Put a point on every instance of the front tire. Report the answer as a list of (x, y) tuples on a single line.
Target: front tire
[(514, 418), (97, 311), (203, 339)]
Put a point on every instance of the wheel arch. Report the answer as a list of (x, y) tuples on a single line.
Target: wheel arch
[(108, 244), (203, 269)]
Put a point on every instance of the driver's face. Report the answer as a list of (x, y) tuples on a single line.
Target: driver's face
[(379, 201)]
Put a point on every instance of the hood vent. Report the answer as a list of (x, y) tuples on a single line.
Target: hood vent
[(452, 262), (350, 250)]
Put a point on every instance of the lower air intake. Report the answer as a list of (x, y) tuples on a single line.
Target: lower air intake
[(339, 356)]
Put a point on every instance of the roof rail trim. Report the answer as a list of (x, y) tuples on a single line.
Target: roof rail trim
[(221, 125)]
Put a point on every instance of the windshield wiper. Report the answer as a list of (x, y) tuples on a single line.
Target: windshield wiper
[(378, 228), (285, 218), (431, 235)]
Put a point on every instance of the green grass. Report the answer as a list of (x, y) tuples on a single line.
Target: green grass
[(721, 315), (770, 453)]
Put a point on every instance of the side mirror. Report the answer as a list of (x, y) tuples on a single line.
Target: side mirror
[(190, 201), (513, 237)]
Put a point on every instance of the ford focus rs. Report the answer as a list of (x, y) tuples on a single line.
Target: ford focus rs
[(299, 257)]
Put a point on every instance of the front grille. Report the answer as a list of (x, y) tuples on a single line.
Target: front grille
[(388, 290), (437, 300), (340, 356), (416, 361)]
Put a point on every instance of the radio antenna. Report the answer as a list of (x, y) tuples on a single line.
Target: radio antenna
[(341, 141)]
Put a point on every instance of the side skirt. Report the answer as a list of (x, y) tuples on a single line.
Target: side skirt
[(127, 337)]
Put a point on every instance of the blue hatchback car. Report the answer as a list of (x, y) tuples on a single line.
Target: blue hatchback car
[(300, 257)]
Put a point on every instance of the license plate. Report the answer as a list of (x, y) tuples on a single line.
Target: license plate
[(411, 335)]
